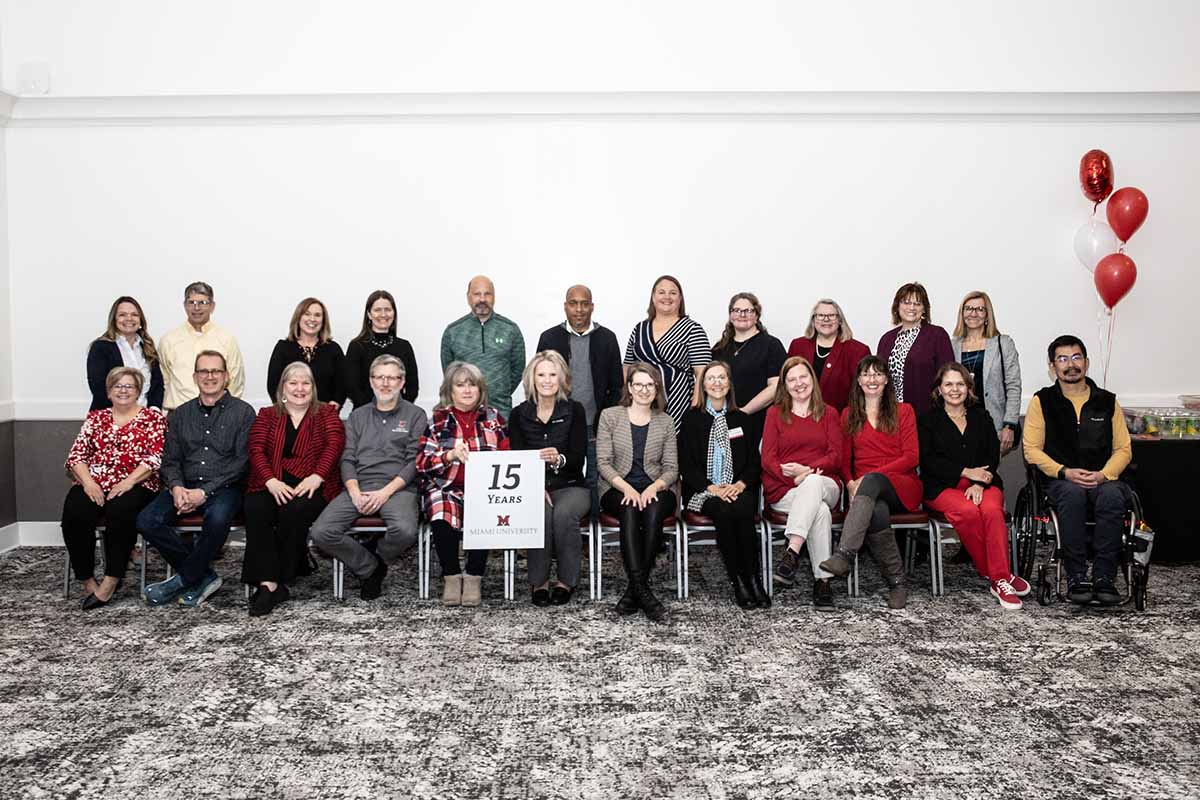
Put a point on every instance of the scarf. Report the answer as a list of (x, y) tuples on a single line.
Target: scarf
[(720, 456)]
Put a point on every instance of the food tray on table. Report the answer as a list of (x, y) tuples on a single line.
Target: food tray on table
[(1163, 423)]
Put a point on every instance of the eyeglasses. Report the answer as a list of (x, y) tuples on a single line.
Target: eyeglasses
[(742, 312), (124, 387), (977, 311), (642, 387), (825, 317), (716, 379), (198, 303), (1074, 358), (387, 378), (210, 373)]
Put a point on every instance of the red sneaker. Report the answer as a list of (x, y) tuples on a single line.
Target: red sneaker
[(1019, 585), (1002, 590)]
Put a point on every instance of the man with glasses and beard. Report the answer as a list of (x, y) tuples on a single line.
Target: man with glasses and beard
[(1075, 434)]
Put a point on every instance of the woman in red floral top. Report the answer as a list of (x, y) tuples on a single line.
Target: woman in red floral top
[(114, 463)]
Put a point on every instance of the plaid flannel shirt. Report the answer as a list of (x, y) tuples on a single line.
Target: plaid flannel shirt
[(440, 498)]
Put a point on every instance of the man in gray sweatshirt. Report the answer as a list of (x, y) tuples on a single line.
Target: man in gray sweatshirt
[(379, 471)]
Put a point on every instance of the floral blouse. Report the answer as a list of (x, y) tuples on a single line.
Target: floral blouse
[(112, 453)]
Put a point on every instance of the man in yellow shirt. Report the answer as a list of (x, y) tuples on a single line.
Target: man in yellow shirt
[(177, 349), (1075, 434)]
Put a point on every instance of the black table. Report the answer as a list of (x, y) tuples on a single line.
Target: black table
[(1166, 475)]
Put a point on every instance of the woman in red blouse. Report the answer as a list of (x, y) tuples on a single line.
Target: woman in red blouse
[(464, 422), (801, 459), (879, 464), (294, 450), (114, 463)]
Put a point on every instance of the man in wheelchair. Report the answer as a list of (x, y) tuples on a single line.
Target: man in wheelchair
[(1075, 434)]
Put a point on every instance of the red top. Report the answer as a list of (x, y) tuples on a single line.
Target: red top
[(466, 422), (814, 444), (837, 377), (895, 455), (316, 451), (112, 453)]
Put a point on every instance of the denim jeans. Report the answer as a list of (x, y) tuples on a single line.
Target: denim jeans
[(190, 559)]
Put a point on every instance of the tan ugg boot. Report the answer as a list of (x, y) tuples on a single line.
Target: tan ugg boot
[(452, 590), (472, 589)]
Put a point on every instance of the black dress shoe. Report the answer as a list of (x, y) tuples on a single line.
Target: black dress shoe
[(541, 597), (372, 585), (91, 601), (823, 596), (263, 601), (560, 595), (628, 603)]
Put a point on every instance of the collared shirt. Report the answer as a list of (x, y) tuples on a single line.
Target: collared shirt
[(382, 445), (591, 327), (208, 446), (132, 356), (177, 355)]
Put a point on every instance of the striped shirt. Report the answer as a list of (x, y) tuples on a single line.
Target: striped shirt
[(676, 354)]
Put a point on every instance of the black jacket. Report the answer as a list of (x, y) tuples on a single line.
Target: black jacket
[(945, 452), (103, 356), (566, 432), (605, 355), (1083, 442), (694, 431)]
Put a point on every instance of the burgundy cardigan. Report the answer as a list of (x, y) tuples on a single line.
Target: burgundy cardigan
[(930, 350), (838, 376), (317, 450)]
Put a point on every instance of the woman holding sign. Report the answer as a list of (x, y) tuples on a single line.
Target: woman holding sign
[(463, 423), (638, 462), (550, 422)]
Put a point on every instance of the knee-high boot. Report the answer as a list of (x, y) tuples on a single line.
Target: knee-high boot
[(854, 529), (891, 565), (651, 605), (631, 557)]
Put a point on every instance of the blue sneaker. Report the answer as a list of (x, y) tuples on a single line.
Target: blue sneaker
[(164, 592), (198, 594)]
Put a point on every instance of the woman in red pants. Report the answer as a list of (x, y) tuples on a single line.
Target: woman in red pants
[(959, 455)]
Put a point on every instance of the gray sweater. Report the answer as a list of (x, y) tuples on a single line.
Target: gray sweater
[(383, 445), (1001, 391)]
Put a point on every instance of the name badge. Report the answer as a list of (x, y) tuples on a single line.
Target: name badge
[(735, 433)]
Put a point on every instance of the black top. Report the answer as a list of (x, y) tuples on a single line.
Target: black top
[(1083, 442), (945, 452), (326, 365), (973, 361), (818, 361), (605, 355), (356, 379), (290, 432), (207, 447), (637, 477), (752, 363), (693, 450), (566, 432), (103, 356)]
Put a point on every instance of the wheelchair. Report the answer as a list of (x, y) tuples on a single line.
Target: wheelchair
[(1035, 529)]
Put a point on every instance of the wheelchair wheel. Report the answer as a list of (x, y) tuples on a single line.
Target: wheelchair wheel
[(1141, 577), (1024, 535), (1045, 591)]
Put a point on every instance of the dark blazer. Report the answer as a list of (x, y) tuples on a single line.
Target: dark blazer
[(694, 430), (837, 378), (945, 452), (930, 350), (566, 432), (605, 354), (103, 356)]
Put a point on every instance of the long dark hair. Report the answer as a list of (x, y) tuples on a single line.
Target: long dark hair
[(728, 334), (378, 294), (889, 414)]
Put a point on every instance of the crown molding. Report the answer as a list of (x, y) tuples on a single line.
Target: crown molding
[(40, 111)]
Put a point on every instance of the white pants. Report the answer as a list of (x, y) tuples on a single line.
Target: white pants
[(808, 507)]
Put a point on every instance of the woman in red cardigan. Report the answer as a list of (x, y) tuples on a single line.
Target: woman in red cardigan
[(879, 464), (801, 457), (294, 450), (829, 345)]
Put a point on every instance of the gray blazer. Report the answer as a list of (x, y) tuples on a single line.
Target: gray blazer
[(1001, 395), (614, 448)]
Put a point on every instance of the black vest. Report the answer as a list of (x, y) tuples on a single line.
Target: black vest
[(1083, 443)]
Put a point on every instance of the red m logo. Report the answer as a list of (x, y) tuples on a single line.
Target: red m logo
[(502, 520)]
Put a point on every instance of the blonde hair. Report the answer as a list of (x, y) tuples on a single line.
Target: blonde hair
[(473, 375), (564, 375), (116, 373), (989, 326), (844, 332), (288, 371)]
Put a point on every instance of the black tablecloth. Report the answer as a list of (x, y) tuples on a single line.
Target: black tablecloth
[(1166, 475)]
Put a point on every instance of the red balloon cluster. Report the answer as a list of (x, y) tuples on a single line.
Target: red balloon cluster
[(1116, 273)]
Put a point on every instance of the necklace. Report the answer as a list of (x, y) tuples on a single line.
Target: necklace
[(382, 340), (828, 350), (957, 416)]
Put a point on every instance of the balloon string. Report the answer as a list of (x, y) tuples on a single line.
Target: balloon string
[(1095, 206), (1112, 321)]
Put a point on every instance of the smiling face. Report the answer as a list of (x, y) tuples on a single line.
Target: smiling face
[(666, 298), (716, 385), (382, 314), (825, 320), (974, 313), (546, 379), (579, 308), (1070, 364), (872, 383), (128, 320), (742, 316), (642, 388), (799, 384), (312, 320), (199, 308), (911, 310), (953, 390), (465, 394), (211, 377), (298, 390), (386, 382), (124, 394)]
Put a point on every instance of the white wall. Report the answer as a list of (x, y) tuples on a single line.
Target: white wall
[(6, 372), (791, 196)]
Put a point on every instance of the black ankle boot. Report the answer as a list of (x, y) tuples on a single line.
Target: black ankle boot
[(651, 605), (743, 594), (758, 591), (628, 603)]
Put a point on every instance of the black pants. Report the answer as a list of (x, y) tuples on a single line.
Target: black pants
[(277, 536), (1108, 503), (80, 517), (737, 534), (445, 542), (644, 524)]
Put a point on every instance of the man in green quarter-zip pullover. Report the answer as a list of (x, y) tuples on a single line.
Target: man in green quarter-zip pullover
[(489, 341)]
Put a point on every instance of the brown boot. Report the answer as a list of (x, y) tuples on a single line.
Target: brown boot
[(472, 589), (891, 566), (898, 595), (452, 590), (839, 563)]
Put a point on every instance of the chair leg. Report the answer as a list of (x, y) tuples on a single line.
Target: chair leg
[(853, 583), (337, 580), (67, 578), (683, 548), (680, 558), (145, 558)]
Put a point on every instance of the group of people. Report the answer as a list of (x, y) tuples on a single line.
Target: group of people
[(672, 425)]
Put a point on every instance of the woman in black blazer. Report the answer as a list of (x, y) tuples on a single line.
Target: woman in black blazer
[(124, 343), (959, 455), (720, 467)]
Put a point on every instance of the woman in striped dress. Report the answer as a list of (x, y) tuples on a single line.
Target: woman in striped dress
[(674, 343)]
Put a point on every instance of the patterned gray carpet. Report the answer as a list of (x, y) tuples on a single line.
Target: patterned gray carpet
[(952, 698)]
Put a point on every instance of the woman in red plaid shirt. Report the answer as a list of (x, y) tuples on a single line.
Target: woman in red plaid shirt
[(461, 423)]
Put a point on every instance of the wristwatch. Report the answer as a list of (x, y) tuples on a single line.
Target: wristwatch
[(1062, 472)]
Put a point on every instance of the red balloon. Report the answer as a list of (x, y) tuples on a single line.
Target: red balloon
[(1114, 276), (1096, 175), (1126, 211)]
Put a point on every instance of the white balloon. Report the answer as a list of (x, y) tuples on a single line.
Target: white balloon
[(1094, 241)]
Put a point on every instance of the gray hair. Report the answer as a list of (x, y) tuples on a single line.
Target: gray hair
[(844, 332), (198, 287), (288, 371), (388, 360), (472, 374)]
